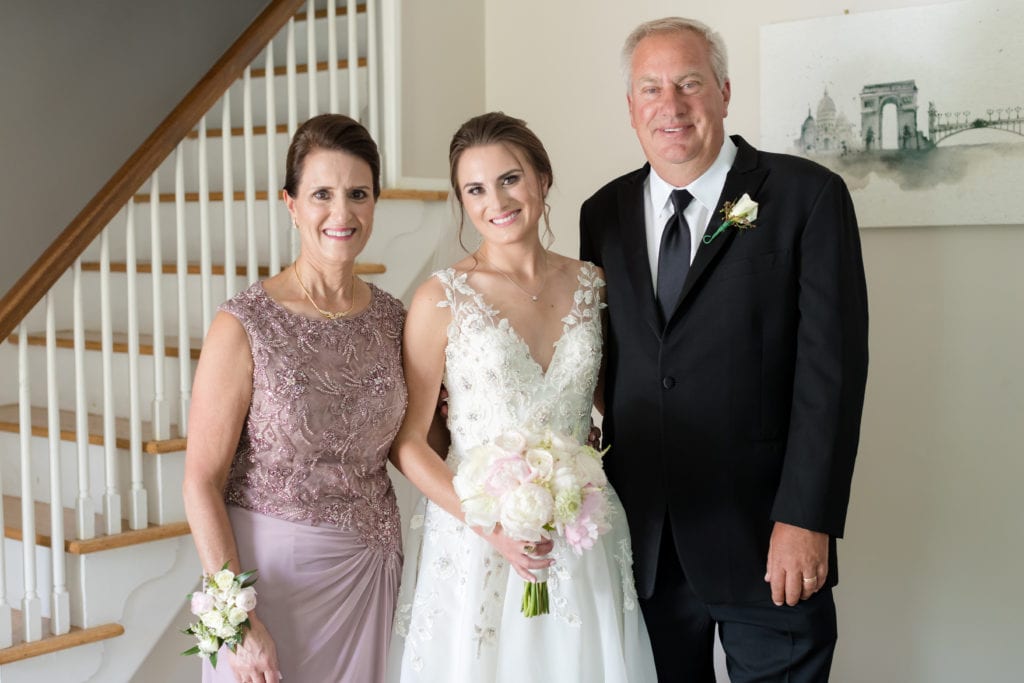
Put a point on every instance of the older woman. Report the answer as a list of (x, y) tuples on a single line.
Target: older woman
[(297, 397)]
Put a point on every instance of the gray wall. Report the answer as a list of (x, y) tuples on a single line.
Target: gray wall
[(82, 84)]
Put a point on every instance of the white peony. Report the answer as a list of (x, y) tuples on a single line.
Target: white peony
[(481, 510), (525, 511), (541, 463), (564, 477), (246, 599), (589, 469), (512, 442)]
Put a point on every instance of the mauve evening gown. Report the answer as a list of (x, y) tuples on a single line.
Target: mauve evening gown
[(309, 497)]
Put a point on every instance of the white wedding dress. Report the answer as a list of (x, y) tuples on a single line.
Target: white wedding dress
[(458, 618)]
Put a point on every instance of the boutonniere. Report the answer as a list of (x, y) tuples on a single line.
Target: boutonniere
[(742, 213)]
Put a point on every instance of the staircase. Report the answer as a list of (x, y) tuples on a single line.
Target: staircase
[(97, 556)]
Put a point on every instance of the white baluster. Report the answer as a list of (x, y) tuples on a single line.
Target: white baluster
[(205, 258), (137, 511), (230, 270), (184, 343), (30, 604), (353, 60), (293, 108), (161, 414), (111, 495), (252, 260), (391, 57), (85, 509), (6, 625), (332, 56), (60, 606), (314, 108), (272, 189), (372, 71)]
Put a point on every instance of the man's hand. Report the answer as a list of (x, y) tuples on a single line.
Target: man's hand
[(797, 563)]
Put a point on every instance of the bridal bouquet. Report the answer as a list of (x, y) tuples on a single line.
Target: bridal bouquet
[(535, 484), (223, 607)]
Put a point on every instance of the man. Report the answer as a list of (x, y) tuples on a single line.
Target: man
[(737, 358)]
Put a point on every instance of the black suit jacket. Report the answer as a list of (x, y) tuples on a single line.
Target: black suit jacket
[(744, 408)]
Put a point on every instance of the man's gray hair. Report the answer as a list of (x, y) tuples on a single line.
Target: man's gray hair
[(716, 45)]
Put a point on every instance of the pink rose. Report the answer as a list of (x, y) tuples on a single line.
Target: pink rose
[(201, 603)]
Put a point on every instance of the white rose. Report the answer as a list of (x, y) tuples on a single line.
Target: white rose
[(525, 511), (208, 645), (246, 599), (590, 471), (213, 620), (744, 209), (226, 632), (541, 463), (511, 442), (236, 615), (223, 579)]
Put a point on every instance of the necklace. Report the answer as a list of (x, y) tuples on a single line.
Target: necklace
[(327, 314), (533, 297)]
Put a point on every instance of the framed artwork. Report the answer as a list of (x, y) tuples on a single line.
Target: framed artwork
[(920, 110)]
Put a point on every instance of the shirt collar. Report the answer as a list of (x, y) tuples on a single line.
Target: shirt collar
[(706, 189)]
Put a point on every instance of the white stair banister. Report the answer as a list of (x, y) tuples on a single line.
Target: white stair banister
[(30, 604), (137, 509), (352, 20), (205, 257), (332, 55), (184, 343), (161, 407), (252, 261), (60, 606), (111, 494), (272, 236), (372, 71), (230, 285), (314, 108), (85, 509)]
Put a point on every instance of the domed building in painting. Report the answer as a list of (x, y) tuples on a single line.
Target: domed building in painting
[(830, 133)]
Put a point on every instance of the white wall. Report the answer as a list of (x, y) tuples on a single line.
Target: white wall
[(932, 553)]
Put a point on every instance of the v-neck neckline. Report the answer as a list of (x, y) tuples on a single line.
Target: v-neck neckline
[(499, 318)]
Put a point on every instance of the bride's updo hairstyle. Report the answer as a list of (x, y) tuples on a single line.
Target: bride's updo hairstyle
[(498, 128)]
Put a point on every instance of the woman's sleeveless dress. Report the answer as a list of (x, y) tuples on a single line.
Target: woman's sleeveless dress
[(458, 617)]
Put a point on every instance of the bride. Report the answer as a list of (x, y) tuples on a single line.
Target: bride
[(513, 331)]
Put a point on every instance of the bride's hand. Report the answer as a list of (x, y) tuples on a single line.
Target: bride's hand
[(521, 555), (255, 660)]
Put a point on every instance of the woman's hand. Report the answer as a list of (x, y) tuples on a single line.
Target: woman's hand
[(255, 660), (522, 556)]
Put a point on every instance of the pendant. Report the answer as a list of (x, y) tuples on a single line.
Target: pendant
[(534, 299)]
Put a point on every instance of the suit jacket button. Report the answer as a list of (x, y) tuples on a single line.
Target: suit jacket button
[(668, 382)]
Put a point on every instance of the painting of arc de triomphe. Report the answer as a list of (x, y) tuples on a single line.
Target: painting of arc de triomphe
[(914, 107)]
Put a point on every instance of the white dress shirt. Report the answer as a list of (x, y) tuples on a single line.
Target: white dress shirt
[(706, 191)]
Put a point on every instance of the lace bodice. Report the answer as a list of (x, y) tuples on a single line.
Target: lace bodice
[(495, 384), (328, 398)]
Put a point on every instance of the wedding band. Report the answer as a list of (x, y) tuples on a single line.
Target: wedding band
[(529, 548), (810, 579)]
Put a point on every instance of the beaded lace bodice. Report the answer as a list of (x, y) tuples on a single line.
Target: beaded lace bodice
[(493, 382), (328, 398)]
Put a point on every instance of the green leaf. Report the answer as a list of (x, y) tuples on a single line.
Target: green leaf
[(213, 660), (194, 650)]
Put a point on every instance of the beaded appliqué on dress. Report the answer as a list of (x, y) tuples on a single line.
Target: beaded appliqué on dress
[(328, 398)]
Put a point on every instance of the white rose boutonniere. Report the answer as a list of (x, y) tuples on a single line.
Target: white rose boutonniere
[(742, 213)]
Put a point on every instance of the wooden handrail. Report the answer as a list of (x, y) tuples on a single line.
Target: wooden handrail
[(118, 191)]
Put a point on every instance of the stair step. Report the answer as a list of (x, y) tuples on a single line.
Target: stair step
[(153, 532), (303, 68), (9, 422), (261, 195), (94, 342), (322, 13), (50, 643), (216, 269)]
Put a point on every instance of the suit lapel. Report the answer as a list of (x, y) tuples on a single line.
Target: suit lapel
[(744, 176), (634, 245)]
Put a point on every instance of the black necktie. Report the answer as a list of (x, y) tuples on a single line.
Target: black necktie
[(674, 256)]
